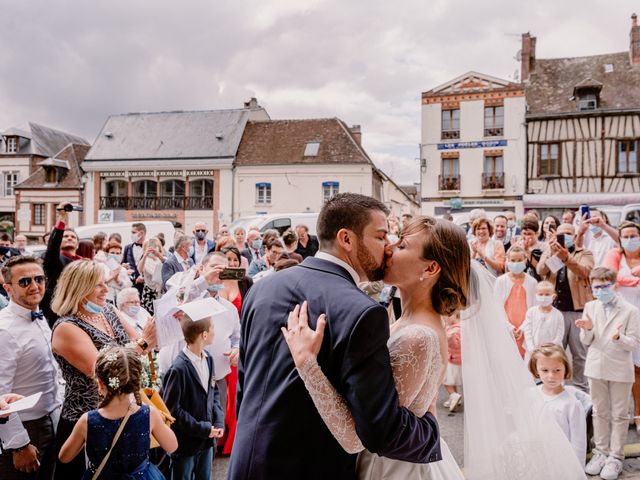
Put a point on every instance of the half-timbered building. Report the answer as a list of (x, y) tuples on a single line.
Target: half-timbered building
[(583, 127)]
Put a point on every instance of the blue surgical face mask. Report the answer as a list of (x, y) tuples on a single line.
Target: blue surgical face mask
[(568, 242), (516, 267), (191, 251), (604, 294), (594, 229), (630, 245), (544, 300), (201, 235), (256, 244), (133, 310), (216, 287), (92, 307)]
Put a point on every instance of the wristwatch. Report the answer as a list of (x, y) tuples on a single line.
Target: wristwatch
[(142, 343)]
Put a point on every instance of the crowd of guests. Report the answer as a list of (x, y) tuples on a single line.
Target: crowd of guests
[(79, 327), (571, 293)]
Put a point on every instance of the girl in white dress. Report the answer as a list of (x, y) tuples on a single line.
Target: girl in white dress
[(543, 323), (430, 266)]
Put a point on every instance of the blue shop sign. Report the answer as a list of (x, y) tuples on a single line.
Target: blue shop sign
[(480, 144)]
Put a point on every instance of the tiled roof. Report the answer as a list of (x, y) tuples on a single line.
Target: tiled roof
[(552, 83), (170, 135), (73, 154), (43, 141), (283, 142)]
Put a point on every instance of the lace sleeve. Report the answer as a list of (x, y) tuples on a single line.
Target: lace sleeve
[(331, 406), (416, 361)]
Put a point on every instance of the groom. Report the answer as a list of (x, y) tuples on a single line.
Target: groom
[(280, 434)]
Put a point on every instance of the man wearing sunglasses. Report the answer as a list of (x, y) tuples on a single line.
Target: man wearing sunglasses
[(27, 367), (201, 244)]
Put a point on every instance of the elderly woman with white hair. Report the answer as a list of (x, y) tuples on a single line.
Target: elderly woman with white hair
[(128, 302)]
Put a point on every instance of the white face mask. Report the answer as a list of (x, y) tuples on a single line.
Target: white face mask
[(544, 300)]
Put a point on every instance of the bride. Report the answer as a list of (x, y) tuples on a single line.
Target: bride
[(505, 435)]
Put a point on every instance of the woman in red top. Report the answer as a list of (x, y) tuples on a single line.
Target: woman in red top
[(234, 291)]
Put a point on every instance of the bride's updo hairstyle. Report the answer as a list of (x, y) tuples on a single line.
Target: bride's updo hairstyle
[(445, 243)]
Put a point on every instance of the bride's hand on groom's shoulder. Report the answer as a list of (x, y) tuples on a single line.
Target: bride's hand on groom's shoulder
[(304, 343)]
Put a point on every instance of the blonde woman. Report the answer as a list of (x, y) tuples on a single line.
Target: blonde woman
[(150, 267), (86, 324)]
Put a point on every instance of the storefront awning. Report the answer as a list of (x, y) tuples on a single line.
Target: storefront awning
[(575, 199)]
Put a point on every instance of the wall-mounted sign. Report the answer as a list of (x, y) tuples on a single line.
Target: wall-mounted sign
[(154, 215), (480, 144), (105, 216)]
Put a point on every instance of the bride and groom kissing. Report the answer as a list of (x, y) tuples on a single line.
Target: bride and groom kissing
[(322, 376)]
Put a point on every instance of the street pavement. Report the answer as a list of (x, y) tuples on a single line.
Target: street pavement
[(452, 430)]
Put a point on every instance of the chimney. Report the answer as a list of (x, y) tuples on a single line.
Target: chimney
[(634, 44), (527, 56), (356, 131), (253, 103)]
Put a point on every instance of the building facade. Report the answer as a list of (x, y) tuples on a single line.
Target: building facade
[(175, 166), (473, 145), (21, 152), (290, 166), (583, 127)]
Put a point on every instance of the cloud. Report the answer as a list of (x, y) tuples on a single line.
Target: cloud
[(71, 63)]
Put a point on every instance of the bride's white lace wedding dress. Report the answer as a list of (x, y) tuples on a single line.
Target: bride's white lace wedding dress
[(418, 370)]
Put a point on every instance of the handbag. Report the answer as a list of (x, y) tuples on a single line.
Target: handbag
[(152, 398), (105, 459)]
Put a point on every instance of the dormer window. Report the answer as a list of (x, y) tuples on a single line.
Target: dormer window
[(50, 175), (11, 144), (588, 101), (587, 94)]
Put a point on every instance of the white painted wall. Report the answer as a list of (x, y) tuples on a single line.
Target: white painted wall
[(295, 188), (12, 164), (471, 161), (226, 195)]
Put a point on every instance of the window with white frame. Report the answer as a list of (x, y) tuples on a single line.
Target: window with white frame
[(39, 214), (11, 144), (263, 193), (10, 180), (628, 156), (329, 189)]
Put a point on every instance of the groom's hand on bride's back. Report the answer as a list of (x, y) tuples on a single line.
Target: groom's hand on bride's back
[(304, 343)]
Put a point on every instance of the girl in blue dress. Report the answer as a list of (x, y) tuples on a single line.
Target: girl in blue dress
[(118, 371)]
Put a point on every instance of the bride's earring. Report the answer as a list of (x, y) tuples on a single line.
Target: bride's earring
[(421, 278)]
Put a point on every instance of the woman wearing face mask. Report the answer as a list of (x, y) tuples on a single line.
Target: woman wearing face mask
[(150, 267), (115, 272), (516, 291), (86, 324), (626, 261)]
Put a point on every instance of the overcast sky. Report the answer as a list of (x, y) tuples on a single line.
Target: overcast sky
[(70, 63)]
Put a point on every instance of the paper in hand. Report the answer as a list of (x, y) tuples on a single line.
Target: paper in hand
[(168, 328), (554, 263), (201, 309), (24, 404)]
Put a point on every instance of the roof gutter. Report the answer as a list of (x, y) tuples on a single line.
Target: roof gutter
[(603, 112)]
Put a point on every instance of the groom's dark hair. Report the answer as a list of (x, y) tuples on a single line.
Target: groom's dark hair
[(346, 210)]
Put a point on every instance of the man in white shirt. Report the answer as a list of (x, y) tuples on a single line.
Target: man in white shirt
[(597, 235), (27, 367)]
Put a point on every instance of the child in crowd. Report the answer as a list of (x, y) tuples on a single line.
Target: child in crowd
[(454, 368), (550, 364), (121, 427), (191, 394), (516, 291), (610, 328), (543, 323)]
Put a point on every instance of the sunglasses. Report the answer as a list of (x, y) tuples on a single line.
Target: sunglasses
[(24, 282), (203, 231), (601, 287)]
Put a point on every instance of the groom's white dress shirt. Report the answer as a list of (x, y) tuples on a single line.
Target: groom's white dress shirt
[(330, 258)]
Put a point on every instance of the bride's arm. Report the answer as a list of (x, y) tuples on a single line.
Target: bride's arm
[(304, 344)]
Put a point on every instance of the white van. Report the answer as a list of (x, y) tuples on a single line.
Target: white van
[(124, 229), (277, 221), (631, 213)]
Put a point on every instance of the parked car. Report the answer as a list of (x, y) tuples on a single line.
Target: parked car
[(631, 213), (124, 229), (277, 221)]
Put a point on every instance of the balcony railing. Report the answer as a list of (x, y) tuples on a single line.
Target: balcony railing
[(450, 134), (156, 203), (492, 180), (494, 132), (449, 182)]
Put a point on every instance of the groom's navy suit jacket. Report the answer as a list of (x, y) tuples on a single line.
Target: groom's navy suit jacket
[(280, 434)]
